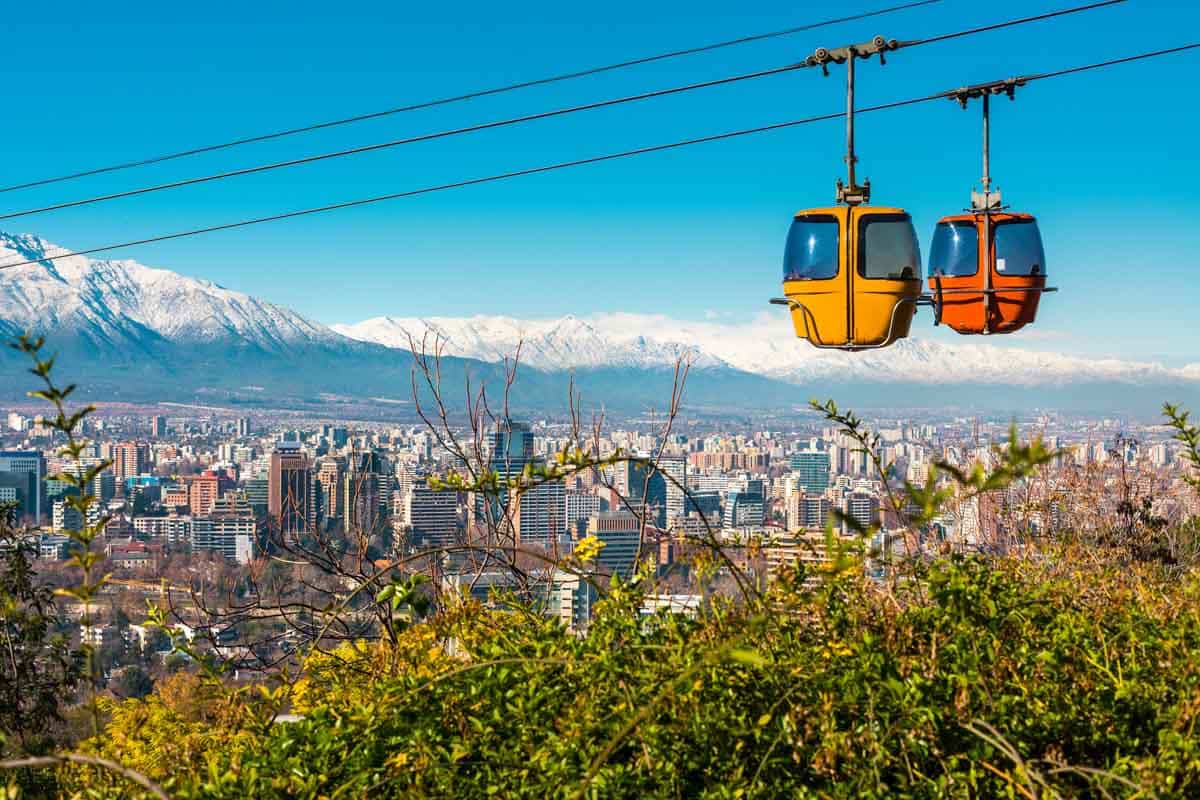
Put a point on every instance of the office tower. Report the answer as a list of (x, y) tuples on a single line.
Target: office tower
[(744, 508), (339, 437), (510, 444), (863, 507), (243, 427), (538, 515), (228, 530), (432, 516), (104, 487), (329, 482), (203, 492), (621, 534), (290, 494), (23, 472), (257, 491), (812, 467), (509, 448), (807, 511), (366, 492), (641, 485), (16, 422), (674, 469), (130, 459), (579, 505), (158, 427), (705, 503)]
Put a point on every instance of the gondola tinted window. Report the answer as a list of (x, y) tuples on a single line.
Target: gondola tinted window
[(889, 249), (1019, 249), (812, 249), (955, 249)]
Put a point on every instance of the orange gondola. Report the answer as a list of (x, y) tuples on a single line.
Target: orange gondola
[(987, 267), (987, 271)]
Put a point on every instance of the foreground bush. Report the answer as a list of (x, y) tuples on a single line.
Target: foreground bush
[(972, 679)]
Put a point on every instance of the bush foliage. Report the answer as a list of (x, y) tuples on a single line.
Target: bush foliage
[(971, 679)]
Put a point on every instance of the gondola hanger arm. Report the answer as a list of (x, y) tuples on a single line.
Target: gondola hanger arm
[(823, 56)]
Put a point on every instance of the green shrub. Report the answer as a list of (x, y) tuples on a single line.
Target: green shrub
[(972, 679)]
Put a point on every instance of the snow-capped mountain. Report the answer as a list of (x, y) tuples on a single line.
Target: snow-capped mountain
[(126, 304), (765, 346), (126, 330), (564, 343)]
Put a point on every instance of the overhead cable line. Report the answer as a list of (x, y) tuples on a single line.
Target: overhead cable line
[(425, 137), (997, 26), (521, 119), (512, 87), (593, 159)]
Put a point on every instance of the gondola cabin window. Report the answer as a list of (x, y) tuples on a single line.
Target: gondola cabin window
[(812, 249), (889, 248), (955, 249), (1019, 249)]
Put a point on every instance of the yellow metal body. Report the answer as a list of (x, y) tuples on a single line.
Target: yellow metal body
[(849, 310)]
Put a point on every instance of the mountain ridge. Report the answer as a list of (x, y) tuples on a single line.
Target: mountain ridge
[(134, 332), (766, 346)]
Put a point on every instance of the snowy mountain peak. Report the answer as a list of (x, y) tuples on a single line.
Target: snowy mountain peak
[(563, 343), (127, 303), (765, 346)]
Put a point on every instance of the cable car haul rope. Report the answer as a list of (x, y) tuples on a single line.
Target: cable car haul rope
[(852, 272)]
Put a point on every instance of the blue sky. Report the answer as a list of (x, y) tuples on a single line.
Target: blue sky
[(1107, 160)]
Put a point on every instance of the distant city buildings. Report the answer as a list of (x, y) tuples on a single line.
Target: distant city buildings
[(291, 501), (211, 492)]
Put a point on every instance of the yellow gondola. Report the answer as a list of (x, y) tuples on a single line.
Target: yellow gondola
[(851, 274)]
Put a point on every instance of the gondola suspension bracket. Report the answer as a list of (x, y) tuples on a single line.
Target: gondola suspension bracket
[(851, 193)]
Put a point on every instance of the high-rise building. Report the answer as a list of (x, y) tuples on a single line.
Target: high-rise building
[(431, 516), (23, 471), (329, 482), (538, 515), (130, 459), (64, 517), (258, 492), (104, 486), (744, 508), (173, 530), (203, 492), (812, 468), (705, 503), (863, 507), (366, 492), (674, 469), (510, 446), (229, 530), (621, 534), (158, 427), (641, 485), (806, 511), (579, 505), (339, 436), (243, 427), (291, 500)]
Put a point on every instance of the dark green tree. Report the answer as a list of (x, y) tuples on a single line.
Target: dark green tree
[(39, 670), (132, 682)]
